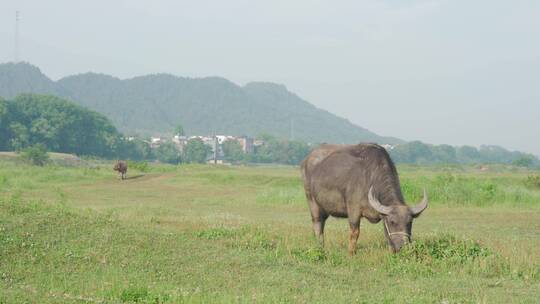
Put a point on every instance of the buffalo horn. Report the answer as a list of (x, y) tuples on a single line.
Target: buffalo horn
[(376, 204), (416, 210)]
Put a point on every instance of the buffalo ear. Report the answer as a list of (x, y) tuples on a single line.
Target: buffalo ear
[(417, 210), (375, 204)]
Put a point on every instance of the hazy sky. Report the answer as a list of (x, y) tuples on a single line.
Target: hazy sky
[(442, 71)]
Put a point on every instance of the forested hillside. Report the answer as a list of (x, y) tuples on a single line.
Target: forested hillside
[(155, 104)]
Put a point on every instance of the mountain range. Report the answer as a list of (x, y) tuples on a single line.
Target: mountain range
[(155, 104)]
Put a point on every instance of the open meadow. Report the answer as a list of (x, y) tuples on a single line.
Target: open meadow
[(76, 233)]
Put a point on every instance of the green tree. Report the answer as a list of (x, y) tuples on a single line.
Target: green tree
[(168, 153), (135, 149), (179, 130), (496, 154), (444, 154), (280, 151), (467, 155), (36, 154), (58, 124), (5, 135), (233, 150), (412, 152), (20, 137), (296, 151), (196, 151), (524, 161)]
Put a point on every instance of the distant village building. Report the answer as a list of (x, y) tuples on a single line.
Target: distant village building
[(207, 140), (180, 142), (247, 144), (155, 142), (223, 138)]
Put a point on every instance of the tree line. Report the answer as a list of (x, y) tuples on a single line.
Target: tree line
[(272, 150), (32, 123), (55, 124), (416, 152)]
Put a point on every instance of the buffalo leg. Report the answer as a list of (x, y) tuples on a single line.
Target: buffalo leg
[(318, 218), (353, 236)]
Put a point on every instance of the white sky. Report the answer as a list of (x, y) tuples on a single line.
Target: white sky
[(441, 71)]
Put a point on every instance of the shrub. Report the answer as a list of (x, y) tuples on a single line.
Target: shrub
[(36, 155)]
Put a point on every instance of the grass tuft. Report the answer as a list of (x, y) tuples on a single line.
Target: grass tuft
[(311, 255), (215, 233), (533, 181), (444, 247)]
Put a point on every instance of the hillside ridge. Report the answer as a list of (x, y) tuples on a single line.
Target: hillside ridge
[(154, 104)]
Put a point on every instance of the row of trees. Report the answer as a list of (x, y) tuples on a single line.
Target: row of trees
[(419, 153), (272, 150), (62, 126), (416, 152), (195, 151)]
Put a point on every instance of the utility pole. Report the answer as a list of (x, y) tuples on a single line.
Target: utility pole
[(16, 53)]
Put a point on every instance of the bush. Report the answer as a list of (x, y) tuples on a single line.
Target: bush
[(36, 155)]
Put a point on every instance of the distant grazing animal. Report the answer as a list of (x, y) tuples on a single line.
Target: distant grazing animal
[(121, 167), (355, 181)]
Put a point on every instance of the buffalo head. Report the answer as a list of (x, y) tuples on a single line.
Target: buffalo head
[(397, 219)]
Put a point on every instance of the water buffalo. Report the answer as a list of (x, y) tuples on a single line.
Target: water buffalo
[(355, 181), (121, 167)]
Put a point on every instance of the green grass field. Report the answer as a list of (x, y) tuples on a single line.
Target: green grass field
[(199, 234)]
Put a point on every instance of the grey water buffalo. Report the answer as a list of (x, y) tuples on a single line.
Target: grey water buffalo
[(356, 181), (121, 167)]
